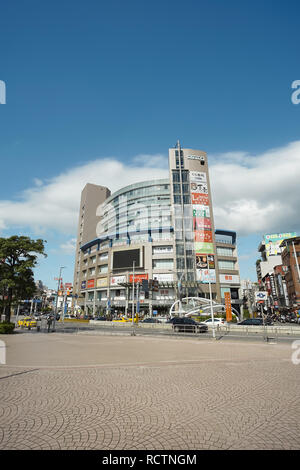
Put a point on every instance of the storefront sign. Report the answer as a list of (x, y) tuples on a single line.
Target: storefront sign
[(229, 279), (138, 277), (117, 280), (102, 282), (91, 283)]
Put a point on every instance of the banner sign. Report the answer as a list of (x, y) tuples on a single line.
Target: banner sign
[(102, 282), (228, 309), (91, 283), (200, 210), (272, 242), (138, 277), (117, 280), (206, 275)]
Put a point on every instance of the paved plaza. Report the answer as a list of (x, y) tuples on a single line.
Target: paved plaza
[(85, 391)]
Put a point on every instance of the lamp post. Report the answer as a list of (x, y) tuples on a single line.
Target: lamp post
[(56, 303)]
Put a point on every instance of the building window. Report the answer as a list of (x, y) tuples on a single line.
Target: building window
[(163, 264), (224, 251), (103, 269), (226, 265)]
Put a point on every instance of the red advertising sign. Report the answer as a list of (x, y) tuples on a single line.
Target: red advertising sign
[(138, 277), (198, 198), (91, 283), (201, 223), (205, 236)]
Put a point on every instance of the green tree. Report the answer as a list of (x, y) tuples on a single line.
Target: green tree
[(18, 257)]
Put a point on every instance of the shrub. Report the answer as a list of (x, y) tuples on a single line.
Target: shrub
[(6, 328)]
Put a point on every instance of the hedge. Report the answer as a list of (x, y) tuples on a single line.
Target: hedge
[(6, 328)]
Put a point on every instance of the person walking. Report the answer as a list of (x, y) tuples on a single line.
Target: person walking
[(49, 322)]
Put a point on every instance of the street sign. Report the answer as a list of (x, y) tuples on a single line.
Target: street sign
[(261, 296)]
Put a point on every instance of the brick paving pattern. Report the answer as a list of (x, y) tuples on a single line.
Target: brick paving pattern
[(82, 392)]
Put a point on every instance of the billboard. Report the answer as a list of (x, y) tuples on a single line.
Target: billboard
[(203, 236), (202, 247), (205, 261), (138, 278), (124, 259), (102, 282), (115, 280), (272, 242), (199, 188), (201, 210), (199, 198), (201, 223), (91, 283), (206, 275)]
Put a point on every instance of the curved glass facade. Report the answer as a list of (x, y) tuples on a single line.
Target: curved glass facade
[(139, 212)]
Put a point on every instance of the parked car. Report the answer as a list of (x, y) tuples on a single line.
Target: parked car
[(162, 319), (101, 318), (151, 320), (188, 325), (217, 321), (255, 322)]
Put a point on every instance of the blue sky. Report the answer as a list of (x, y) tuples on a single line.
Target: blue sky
[(95, 80)]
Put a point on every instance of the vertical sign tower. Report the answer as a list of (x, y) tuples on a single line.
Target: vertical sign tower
[(194, 231)]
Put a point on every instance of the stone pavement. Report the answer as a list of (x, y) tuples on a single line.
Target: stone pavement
[(99, 392)]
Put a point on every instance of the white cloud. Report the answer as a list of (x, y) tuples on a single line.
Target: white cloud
[(54, 204), (257, 193), (69, 247), (251, 193)]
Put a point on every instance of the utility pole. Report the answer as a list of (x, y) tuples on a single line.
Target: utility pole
[(133, 266), (56, 303)]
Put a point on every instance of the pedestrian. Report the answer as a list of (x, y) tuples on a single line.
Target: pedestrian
[(38, 324), (49, 322)]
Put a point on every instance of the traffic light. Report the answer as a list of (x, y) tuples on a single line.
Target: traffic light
[(155, 285)]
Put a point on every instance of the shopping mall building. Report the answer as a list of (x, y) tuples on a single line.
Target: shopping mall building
[(160, 230)]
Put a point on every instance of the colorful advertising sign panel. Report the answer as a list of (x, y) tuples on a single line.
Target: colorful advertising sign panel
[(205, 261), (91, 283), (102, 282), (83, 284), (199, 188), (201, 223), (201, 247), (117, 280), (200, 210), (198, 198), (206, 275), (272, 242), (203, 236), (138, 277)]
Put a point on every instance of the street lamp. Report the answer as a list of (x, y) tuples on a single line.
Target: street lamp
[(59, 279)]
